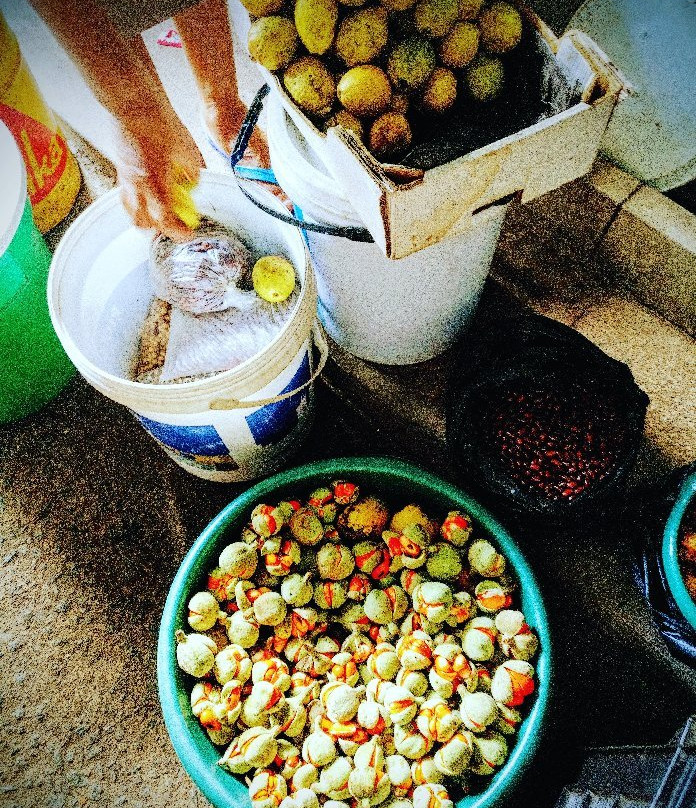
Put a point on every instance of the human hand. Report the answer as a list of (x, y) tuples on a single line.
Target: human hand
[(158, 154)]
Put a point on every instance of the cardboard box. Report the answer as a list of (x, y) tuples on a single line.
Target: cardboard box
[(408, 209)]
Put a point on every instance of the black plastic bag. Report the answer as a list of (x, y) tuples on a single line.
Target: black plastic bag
[(534, 353), (644, 522)]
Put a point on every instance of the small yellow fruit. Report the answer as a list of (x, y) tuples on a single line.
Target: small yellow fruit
[(434, 18), (348, 121), (315, 21), (469, 9), (390, 135), (410, 63), (262, 8), (501, 27), (311, 85), (440, 91), (361, 36), (273, 42), (365, 90), (274, 278), (485, 77), (459, 47)]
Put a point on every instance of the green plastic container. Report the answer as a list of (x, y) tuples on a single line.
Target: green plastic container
[(399, 483), (33, 366), (670, 551)]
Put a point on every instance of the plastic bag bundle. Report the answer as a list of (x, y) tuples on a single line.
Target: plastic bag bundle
[(211, 343), (207, 274)]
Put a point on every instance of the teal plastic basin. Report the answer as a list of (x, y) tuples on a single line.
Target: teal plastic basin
[(399, 483), (670, 551)]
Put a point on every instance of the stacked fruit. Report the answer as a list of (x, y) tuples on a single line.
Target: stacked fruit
[(371, 69)]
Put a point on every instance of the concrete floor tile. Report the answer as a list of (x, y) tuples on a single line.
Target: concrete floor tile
[(663, 361)]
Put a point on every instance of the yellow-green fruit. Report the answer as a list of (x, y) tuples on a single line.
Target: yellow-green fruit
[(469, 9), (440, 91), (262, 8), (361, 36), (485, 77), (398, 5), (501, 27), (410, 63), (365, 90), (390, 135), (348, 121), (352, 3), (459, 47), (315, 21), (311, 85), (274, 278), (435, 17), (273, 42)]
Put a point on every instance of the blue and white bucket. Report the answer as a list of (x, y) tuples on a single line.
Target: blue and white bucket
[(236, 425)]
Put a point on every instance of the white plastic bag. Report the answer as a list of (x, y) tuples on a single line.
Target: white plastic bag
[(209, 273), (202, 344)]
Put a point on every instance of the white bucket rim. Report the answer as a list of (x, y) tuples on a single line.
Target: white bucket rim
[(321, 184), (161, 397)]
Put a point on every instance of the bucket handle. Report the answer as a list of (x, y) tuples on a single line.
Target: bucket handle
[(236, 404), (242, 173)]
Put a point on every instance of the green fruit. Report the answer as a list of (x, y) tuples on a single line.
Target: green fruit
[(390, 135), (435, 18), (440, 91), (485, 77), (311, 85), (274, 278), (348, 121), (410, 63), (445, 563), (501, 27), (273, 42), (315, 21), (352, 3), (361, 36), (469, 9), (262, 8), (365, 90), (459, 47)]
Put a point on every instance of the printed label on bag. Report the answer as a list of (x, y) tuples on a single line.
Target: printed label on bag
[(272, 423), (200, 445)]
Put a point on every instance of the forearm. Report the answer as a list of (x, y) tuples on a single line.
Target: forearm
[(111, 66)]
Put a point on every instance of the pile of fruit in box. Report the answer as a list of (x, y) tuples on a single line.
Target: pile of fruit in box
[(375, 68), (348, 655)]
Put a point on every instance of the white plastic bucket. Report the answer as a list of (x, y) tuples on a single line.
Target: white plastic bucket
[(652, 132), (236, 425), (391, 312)]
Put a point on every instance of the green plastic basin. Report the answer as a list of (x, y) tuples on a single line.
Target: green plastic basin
[(398, 482), (670, 551)]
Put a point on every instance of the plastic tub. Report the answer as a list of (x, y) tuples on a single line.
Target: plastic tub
[(235, 425), (670, 551), (652, 521), (33, 365), (396, 480), (392, 312)]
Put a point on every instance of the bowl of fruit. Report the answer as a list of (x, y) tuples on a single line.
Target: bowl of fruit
[(354, 632), (679, 550)]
